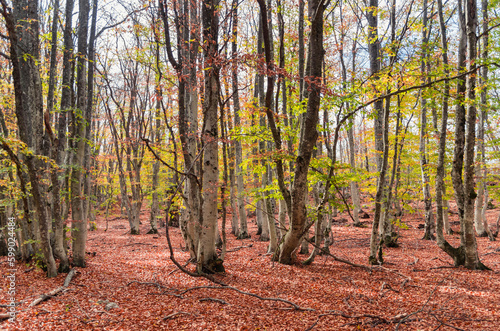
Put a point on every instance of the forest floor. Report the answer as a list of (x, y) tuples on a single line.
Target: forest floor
[(418, 289)]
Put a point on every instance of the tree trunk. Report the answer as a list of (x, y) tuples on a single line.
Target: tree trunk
[(307, 144), (155, 207), (60, 144), (471, 255), (79, 223), (429, 226), (208, 219), (480, 222), (23, 26)]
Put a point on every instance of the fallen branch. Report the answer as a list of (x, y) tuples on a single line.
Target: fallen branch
[(295, 306), (445, 324), (338, 259), (425, 303), (4, 316), (214, 300), (54, 292), (374, 318)]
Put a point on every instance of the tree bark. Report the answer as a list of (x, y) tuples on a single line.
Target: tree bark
[(471, 255), (22, 23), (208, 219), (429, 226), (307, 144), (79, 223)]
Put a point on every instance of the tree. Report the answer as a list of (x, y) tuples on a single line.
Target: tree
[(297, 212), (22, 25), (77, 140)]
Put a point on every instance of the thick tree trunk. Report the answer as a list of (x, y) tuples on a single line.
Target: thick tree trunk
[(23, 26)]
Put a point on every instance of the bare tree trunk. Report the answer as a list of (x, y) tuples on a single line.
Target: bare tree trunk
[(471, 256), (208, 219), (88, 204), (429, 226), (22, 24), (306, 145), (374, 55), (155, 207), (480, 221), (60, 145), (79, 223)]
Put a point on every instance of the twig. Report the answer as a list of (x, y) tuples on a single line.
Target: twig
[(445, 324), (414, 262), (342, 314), (214, 300), (425, 303), (295, 306), (338, 259)]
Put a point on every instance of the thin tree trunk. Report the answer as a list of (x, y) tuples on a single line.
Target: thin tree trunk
[(60, 144), (471, 256), (79, 224), (480, 221), (429, 226)]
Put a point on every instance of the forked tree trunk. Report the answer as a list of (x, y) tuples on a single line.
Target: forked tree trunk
[(466, 253), (308, 142)]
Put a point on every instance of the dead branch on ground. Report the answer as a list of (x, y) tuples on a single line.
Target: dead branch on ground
[(214, 300), (56, 291), (295, 306)]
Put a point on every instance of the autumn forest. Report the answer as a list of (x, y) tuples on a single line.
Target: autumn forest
[(249, 165)]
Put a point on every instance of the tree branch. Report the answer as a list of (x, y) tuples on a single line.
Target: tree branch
[(295, 306)]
